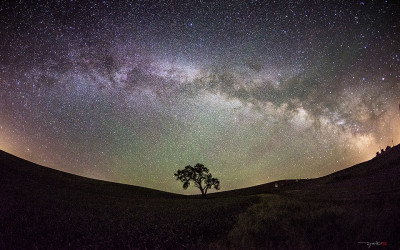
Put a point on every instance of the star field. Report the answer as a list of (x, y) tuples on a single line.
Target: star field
[(130, 91)]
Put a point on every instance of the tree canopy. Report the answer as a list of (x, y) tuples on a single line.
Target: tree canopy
[(200, 176)]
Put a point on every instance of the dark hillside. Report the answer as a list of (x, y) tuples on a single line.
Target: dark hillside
[(271, 187), (380, 175), (16, 172), (42, 208), (49, 209)]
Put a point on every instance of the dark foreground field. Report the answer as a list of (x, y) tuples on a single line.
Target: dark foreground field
[(47, 209)]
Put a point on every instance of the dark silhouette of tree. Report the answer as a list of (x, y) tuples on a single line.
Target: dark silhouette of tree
[(200, 176)]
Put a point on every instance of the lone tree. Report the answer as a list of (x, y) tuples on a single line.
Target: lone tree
[(200, 176)]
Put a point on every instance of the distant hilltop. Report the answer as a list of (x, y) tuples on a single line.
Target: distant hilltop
[(385, 151)]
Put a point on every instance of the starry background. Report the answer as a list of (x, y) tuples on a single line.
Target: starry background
[(130, 91)]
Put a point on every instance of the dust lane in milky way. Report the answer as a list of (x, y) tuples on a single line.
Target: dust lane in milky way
[(255, 90)]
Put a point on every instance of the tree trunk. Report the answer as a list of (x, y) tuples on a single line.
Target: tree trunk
[(203, 194)]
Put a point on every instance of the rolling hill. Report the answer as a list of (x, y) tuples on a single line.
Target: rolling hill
[(45, 208), (378, 176), (17, 172)]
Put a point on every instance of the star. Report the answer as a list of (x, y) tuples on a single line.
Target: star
[(256, 91)]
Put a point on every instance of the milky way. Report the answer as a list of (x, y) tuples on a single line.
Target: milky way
[(130, 91)]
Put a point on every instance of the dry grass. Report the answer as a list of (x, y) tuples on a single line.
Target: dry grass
[(281, 222), (47, 209)]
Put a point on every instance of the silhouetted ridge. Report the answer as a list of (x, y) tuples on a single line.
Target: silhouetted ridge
[(15, 171), (380, 174)]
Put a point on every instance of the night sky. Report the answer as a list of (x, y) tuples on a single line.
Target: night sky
[(257, 91)]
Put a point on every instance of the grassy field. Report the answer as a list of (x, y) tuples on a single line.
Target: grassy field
[(284, 222), (42, 208), (94, 222)]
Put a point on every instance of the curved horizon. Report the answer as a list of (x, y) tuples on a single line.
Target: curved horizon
[(256, 91)]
